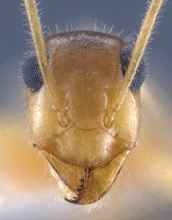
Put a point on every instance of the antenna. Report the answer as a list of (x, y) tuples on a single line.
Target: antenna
[(141, 43), (39, 44)]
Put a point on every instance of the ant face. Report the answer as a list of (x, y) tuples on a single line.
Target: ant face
[(83, 142), (84, 104)]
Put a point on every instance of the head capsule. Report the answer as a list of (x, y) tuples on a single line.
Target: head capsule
[(85, 142)]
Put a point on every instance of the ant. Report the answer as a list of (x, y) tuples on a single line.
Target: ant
[(83, 95)]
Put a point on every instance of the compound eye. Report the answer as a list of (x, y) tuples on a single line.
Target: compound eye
[(31, 73), (139, 77)]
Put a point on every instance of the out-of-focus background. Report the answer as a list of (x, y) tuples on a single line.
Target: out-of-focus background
[(144, 187)]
